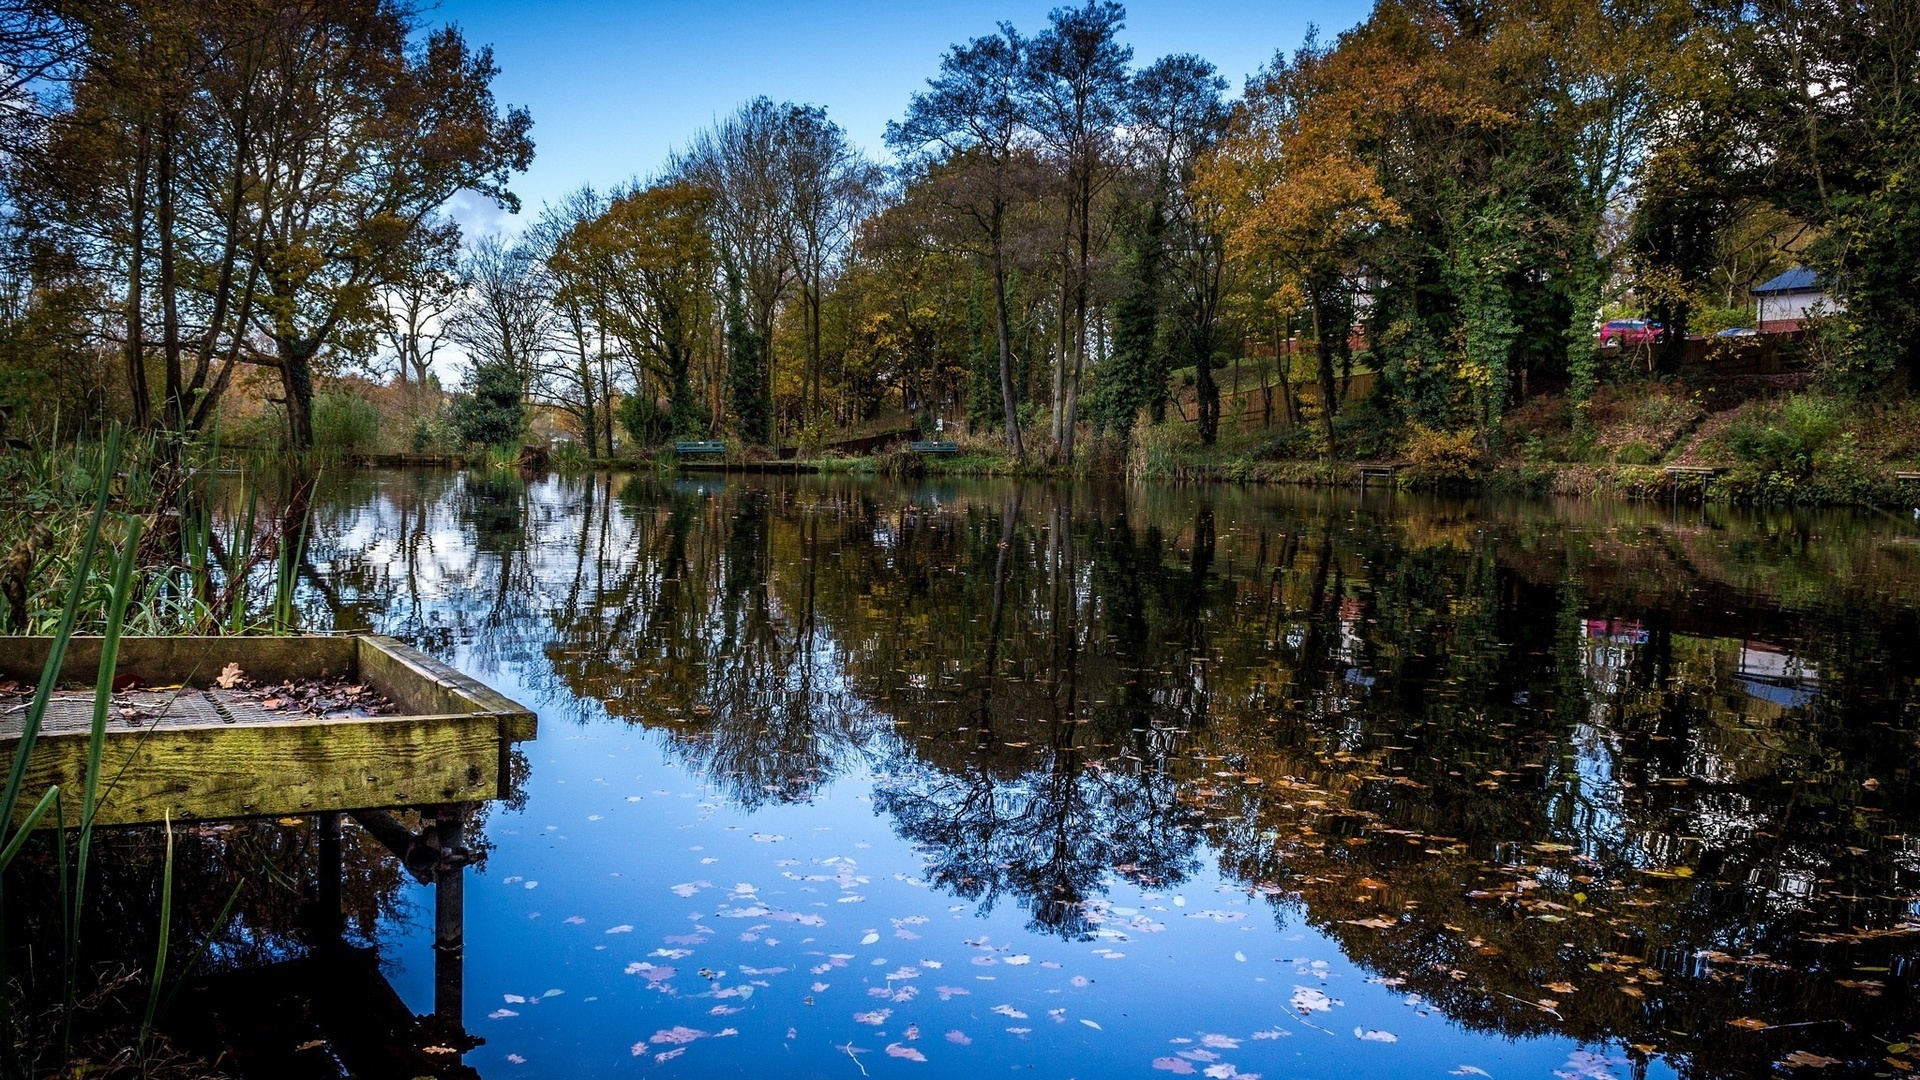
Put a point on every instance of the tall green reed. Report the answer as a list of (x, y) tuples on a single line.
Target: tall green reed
[(19, 1056)]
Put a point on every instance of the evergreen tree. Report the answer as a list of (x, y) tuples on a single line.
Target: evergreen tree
[(747, 376), (492, 414), (985, 409), (1135, 374)]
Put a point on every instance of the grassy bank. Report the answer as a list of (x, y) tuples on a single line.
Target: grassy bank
[(1761, 441)]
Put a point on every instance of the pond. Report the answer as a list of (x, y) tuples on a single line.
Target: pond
[(853, 777)]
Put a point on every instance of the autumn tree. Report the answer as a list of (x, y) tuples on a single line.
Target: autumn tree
[(646, 267), (742, 162), (1296, 193), (962, 137), (831, 187), (576, 301)]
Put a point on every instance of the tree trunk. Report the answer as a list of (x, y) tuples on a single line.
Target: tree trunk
[(296, 378), (1058, 404), (136, 350), (175, 413), (587, 416), (1324, 363), (1007, 397)]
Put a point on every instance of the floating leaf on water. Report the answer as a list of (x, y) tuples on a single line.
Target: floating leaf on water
[(907, 1052), (1220, 1042), (1308, 1000), (1175, 1065), (1372, 1035)]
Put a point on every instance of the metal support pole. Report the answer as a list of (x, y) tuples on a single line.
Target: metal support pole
[(449, 918), (327, 907)]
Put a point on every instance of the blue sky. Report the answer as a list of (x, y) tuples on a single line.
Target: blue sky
[(615, 87)]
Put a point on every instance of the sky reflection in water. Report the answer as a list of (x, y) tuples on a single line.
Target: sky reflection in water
[(953, 779)]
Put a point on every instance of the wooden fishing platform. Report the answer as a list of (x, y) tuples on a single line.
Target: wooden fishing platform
[(1383, 471), (179, 746)]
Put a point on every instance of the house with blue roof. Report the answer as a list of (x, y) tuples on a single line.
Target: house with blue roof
[(1787, 300)]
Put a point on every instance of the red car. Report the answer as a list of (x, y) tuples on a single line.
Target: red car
[(1630, 332)]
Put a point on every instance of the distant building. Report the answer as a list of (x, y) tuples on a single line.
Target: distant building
[(1771, 673), (1788, 299)]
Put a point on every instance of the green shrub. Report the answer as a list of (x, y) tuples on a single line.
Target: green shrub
[(1785, 451), (1710, 321), (1364, 430), (646, 422), (492, 414), (430, 429), (344, 425)]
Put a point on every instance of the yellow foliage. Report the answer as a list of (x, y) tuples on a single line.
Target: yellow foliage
[(1443, 455)]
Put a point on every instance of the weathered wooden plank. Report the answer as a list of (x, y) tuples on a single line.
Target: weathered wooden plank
[(418, 683), (247, 770), (168, 660)]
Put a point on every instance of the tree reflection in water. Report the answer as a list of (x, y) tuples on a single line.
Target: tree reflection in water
[(1609, 771)]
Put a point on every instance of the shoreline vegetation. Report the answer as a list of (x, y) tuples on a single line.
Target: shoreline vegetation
[(1651, 441)]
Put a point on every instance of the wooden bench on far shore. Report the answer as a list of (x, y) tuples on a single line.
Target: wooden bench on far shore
[(926, 446), (1907, 477), (685, 449), (1377, 470)]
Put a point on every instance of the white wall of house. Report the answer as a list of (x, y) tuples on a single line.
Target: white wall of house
[(1794, 306)]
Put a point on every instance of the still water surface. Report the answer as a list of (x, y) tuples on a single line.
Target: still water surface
[(843, 778)]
